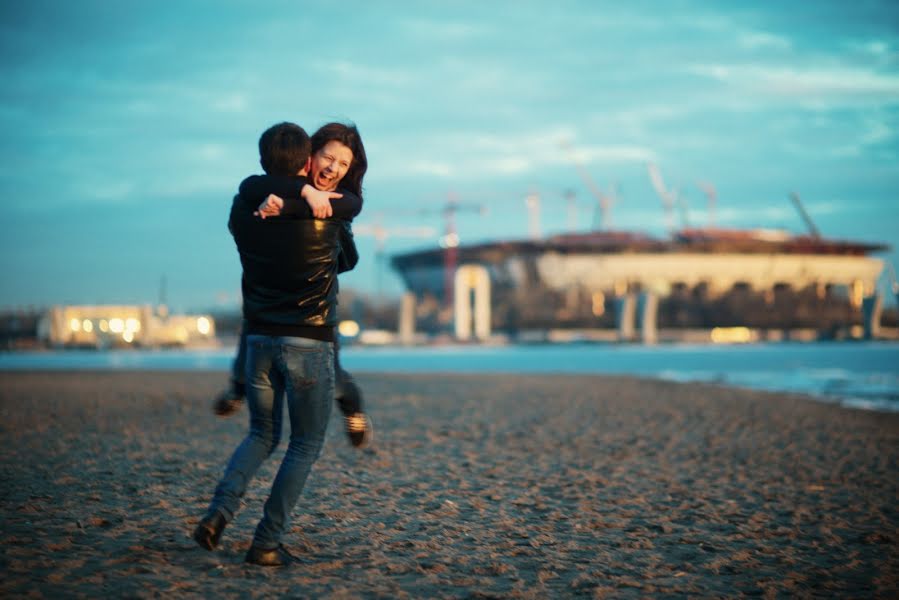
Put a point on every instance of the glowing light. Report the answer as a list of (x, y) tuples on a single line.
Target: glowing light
[(348, 328), (203, 325), (87, 326), (104, 325), (132, 324), (856, 293), (116, 325), (660, 287), (128, 336), (731, 335), (599, 304), (450, 240), (75, 325)]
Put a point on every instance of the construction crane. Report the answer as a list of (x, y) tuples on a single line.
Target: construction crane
[(797, 202), (712, 194), (380, 233), (450, 240), (669, 197), (606, 201)]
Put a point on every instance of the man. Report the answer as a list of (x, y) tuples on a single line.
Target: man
[(289, 288), (338, 159)]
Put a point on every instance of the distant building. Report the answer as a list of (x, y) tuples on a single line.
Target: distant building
[(701, 278), (101, 326)]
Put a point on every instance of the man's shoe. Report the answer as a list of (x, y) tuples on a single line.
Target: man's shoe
[(209, 531), (227, 403), (359, 429), (277, 557)]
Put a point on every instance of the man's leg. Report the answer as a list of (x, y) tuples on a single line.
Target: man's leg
[(230, 400), (265, 399), (308, 369)]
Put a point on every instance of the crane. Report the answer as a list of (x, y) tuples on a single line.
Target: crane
[(450, 240), (669, 197), (712, 194), (797, 202), (606, 201)]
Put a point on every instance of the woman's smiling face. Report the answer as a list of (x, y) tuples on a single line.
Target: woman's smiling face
[(329, 165)]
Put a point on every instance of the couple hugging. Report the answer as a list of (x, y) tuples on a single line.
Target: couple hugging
[(293, 234)]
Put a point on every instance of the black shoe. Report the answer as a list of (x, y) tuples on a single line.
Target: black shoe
[(209, 531), (277, 557), (227, 403), (359, 429)]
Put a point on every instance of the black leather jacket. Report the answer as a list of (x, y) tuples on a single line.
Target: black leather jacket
[(290, 271)]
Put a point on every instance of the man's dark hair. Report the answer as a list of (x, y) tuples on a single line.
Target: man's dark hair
[(284, 149), (349, 136)]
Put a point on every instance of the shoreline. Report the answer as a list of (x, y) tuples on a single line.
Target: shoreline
[(861, 376), (504, 486)]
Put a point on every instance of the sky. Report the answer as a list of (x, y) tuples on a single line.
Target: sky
[(127, 126)]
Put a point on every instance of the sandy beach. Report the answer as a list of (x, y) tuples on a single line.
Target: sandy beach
[(475, 487)]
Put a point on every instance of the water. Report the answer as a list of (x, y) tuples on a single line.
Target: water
[(861, 375)]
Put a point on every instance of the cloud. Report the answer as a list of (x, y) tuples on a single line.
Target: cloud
[(447, 31), (361, 74), (230, 103), (509, 165), (481, 155), (755, 40), (104, 191), (430, 168), (614, 154), (876, 48), (873, 134), (815, 84)]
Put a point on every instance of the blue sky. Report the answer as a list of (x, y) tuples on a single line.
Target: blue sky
[(128, 125)]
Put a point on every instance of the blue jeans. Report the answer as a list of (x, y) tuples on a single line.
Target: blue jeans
[(302, 370), (347, 392)]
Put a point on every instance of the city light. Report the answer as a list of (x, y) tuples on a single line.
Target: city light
[(450, 240), (599, 304), (203, 325), (348, 328), (731, 335)]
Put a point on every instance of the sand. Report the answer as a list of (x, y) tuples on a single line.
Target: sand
[(476, 487)]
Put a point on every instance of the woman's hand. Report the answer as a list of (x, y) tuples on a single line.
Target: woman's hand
[(319, 201), (270, 207)]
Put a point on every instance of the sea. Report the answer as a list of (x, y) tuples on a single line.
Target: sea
[(862, 375)]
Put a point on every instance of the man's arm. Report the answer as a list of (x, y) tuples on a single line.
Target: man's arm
[(257, 187)]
